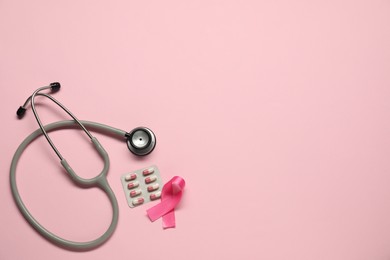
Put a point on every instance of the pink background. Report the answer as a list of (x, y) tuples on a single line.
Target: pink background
[(275, 112)]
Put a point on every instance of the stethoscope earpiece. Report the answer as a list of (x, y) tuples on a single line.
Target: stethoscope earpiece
[(55, 86), (141, 141)]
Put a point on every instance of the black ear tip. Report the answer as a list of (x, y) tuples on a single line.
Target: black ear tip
[(55, 86), (20, 112)]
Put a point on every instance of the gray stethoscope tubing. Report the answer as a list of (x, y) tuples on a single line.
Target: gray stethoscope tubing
[(136, 144), (98, 181), (32, 97)]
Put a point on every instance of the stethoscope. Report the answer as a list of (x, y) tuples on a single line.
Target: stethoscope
[(140, 141)]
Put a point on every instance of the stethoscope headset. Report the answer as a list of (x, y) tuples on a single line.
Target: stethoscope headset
[(140, 141)]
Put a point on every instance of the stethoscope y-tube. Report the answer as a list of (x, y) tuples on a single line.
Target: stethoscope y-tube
[(141, 139)]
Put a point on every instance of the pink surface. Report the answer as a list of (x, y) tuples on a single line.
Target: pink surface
[(276, 113)]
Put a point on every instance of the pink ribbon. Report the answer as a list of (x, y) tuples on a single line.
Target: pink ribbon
[(170, 197)]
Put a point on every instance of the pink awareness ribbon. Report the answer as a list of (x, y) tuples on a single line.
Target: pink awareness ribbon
[(170, 196)]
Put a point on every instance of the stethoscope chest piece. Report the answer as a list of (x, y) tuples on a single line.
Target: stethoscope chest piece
[(141, 141)]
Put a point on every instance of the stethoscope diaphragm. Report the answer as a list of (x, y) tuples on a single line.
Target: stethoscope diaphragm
[(141, 141)]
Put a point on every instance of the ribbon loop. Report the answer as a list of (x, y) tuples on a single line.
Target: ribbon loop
[(170, 196)]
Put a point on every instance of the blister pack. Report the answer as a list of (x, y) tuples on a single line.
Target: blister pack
[(142, 186)]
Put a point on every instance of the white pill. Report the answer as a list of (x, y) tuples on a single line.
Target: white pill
[(134, 193), (153, 187), (132, 185), (130, 176), (150, 179), (155, 196), (148, 171), (138, 201)]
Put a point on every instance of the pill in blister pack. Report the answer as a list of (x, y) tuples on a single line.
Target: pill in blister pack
[(155, 196), (150, 179), (142, 186), (130, 176), (148, 171), (134, 193), (153, 187), (138, 201), (133, 184)]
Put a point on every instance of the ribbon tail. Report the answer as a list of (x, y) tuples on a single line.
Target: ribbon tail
[(168, 220), (160, 210)]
